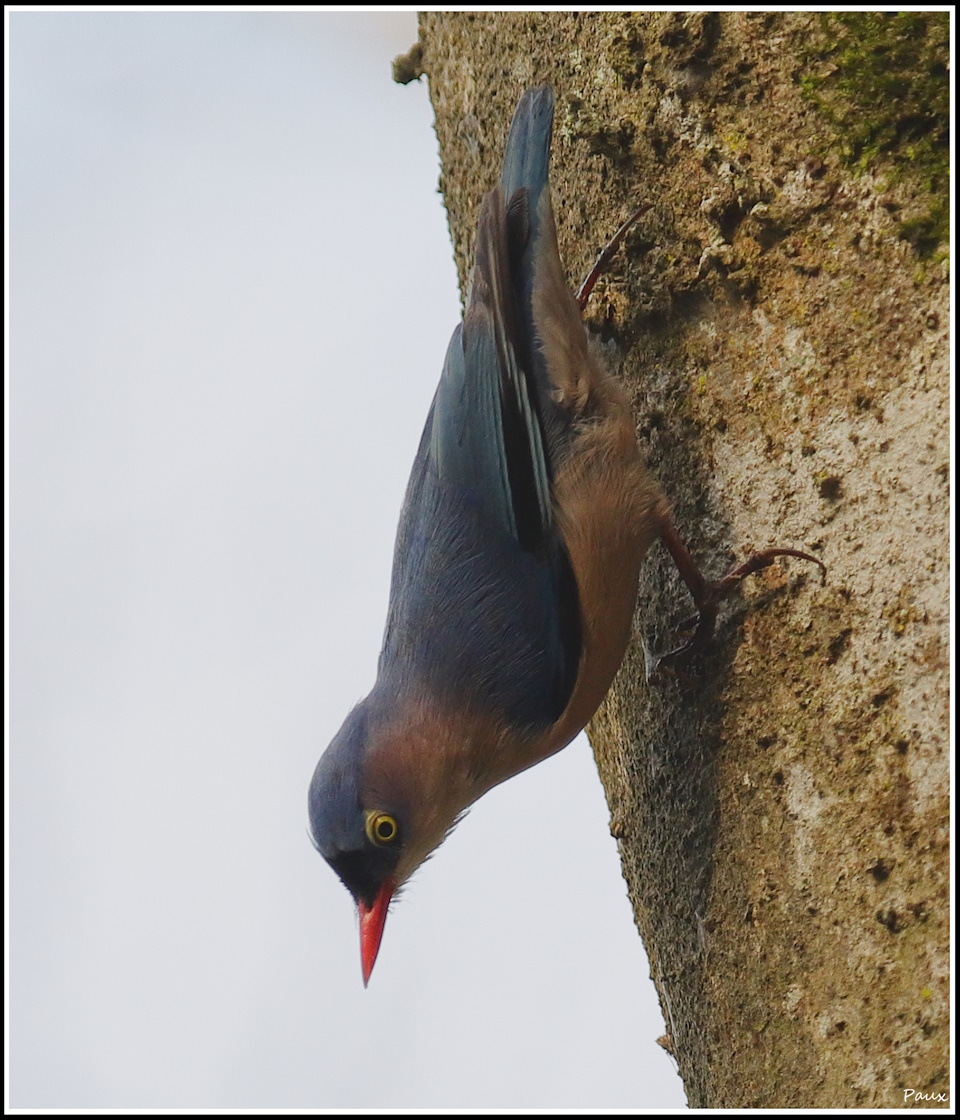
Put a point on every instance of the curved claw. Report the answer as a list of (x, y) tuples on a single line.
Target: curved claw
[(674, 658), (602, 262), (721, 588)]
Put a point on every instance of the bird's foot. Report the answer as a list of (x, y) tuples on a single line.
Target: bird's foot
[(708, 595)]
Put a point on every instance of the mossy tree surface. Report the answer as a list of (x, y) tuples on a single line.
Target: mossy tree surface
[(782, 817)]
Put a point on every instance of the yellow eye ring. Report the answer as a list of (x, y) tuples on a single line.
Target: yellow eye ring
[(381, 827)]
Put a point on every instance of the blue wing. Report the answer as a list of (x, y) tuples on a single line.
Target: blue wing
[(487, 430), (484, 601)]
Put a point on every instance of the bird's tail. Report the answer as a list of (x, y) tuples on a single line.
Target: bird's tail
[(552, 346), (526, 159)]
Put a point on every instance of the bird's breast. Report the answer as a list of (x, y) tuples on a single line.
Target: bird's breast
[(609, 510)]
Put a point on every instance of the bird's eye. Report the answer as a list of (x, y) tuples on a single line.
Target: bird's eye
[(381, 828)]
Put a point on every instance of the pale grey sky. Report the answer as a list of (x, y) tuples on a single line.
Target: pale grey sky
[(231, 293)]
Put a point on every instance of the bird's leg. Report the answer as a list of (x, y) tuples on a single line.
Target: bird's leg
[(709, 594), (606, 256)]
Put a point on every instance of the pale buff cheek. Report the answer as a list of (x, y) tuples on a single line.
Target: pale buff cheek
[(429, 763), (427, 799)]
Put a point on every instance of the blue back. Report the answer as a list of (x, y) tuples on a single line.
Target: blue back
[(473, 615)]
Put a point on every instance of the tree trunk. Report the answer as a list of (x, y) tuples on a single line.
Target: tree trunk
[(780, 316)]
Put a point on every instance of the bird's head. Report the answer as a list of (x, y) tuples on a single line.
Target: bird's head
[(381, 799), (361, 841)]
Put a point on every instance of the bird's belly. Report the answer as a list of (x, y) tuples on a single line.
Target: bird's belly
[(609, 510)]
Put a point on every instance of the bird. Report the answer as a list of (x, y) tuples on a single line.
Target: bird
[(515, 576)]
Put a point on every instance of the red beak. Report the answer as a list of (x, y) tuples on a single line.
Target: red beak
[(372, 919)]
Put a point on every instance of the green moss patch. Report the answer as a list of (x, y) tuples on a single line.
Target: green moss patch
[(881, 79)]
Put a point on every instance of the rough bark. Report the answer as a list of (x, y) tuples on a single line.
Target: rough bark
[(780, 316)]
